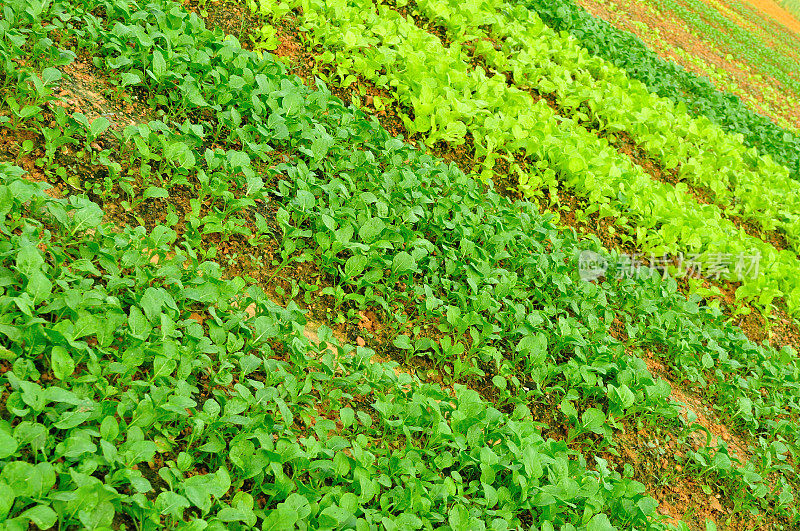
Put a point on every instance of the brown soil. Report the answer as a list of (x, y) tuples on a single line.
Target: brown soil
[(690, 401), (777, 13)]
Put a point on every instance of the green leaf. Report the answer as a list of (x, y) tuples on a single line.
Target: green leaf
[(593, 420), (172, 503), (305, 200), (39, 287), (459, 518), (71, 419), (159, 65), (370, 230), (43, 516), (81, 119), (600, 522), (348, 417), (569, 409), (62, 363), (287, 514), (137, 322), (197, 490), (354, 266), (29, 110), (85, 325), (140, 451), (402, 341), (162, 366), (6, 499), (129, 78), (499, 382), (29, 260), (648, 506), (624, 397), (87, 216), (8, 445), (98, 517), (99, 125), (575, 164), (403, 263), (51, 75), (155, 192)]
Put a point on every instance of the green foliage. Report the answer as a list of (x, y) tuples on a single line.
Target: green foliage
[(450, 99), (122, 403), (602, 97), (140, 390), (667, 79)]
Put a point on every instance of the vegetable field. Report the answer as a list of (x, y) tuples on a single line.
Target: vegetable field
[(365, 264)]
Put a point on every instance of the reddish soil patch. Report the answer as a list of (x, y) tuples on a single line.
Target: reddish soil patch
[(777, 13), (84, 90), (691, 402)]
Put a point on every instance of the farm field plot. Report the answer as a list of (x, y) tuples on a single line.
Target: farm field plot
[(792, 6), (740, 47), (448, 99), (324, 289)]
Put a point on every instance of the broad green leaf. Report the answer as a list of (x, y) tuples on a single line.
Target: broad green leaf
[(159, 65), (29, 260), (138, 324), (39, 287), (8, 445), (287, 514), (155, 192), (371, 229), (348, 416), (51, 75), (355, 265), (62, 363), (305, 200), (140, 451), (99, 125), (403, 263), (593, 419), (7, 497), (98, 517), (600, 522), (172, 503), (402, 341), (71, 419), (41, 515), (129, 78)]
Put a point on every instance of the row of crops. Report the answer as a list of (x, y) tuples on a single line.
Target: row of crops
[(741, 181), (665, 78), (143, 387), (450, 99), (793, 6)]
